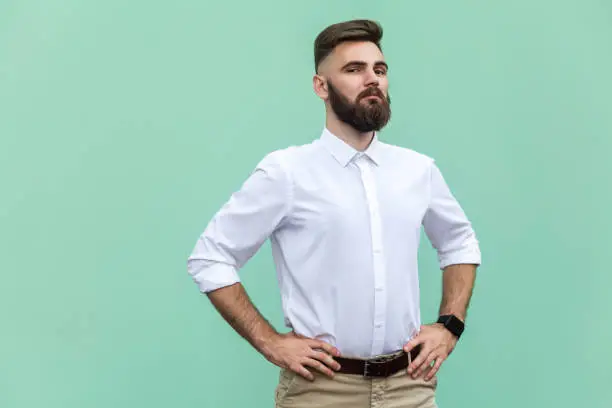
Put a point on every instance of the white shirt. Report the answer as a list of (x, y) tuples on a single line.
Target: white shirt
[(344, 228)]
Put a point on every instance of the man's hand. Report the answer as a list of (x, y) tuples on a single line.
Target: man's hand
[(296, 352), (436, 345)]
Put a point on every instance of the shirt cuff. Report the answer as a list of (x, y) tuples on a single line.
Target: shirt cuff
[(470, 255), (210, 275)]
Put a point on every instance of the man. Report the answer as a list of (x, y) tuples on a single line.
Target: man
[(343, 215)]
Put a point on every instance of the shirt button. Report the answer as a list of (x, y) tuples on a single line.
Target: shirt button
[(378, 325), (379, 289)]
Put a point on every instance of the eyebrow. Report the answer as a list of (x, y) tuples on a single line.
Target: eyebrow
[(363, 64)]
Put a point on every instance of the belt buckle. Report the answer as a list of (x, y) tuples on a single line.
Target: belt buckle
[(365, 368), (374, 373)]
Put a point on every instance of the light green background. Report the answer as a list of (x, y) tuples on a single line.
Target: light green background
[(125, 125)]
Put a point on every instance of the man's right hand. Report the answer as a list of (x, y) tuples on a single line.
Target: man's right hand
[(296, 352)]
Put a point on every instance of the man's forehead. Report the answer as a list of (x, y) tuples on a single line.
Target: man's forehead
[(357, 51)]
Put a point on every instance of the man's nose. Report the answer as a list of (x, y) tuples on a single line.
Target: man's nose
[(371, 78)]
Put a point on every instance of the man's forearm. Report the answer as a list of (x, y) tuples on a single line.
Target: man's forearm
[(234, 304), (457, 286)]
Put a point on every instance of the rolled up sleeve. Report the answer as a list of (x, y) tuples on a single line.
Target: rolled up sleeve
[(241, 226), (447, 226)]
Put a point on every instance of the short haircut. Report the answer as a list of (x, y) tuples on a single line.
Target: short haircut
[(335, 34)]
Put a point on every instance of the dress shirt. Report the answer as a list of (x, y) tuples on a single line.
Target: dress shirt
[(344, 228)]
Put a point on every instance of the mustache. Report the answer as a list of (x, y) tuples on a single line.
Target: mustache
[(372, 91)]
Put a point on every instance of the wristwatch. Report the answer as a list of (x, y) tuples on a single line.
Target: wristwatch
[(453, 324)]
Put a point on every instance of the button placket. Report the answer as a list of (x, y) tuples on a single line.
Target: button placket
[(369, 184)]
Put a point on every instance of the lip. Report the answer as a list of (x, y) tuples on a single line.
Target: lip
[(373, 96)]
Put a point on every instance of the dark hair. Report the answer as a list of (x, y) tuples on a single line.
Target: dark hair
[(335, 34)]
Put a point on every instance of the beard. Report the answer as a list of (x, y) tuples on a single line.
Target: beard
[(365, 116)]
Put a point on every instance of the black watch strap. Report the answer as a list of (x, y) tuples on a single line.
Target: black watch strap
[(453, 324)]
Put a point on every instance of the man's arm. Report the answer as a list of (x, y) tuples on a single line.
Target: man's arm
[(457, 287), (285, 350), (231, 238), (451, 234), (235, 306)]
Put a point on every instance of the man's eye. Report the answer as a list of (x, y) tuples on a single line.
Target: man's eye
[(381, 71)]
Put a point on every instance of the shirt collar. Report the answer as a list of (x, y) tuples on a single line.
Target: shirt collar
[(344, 153)]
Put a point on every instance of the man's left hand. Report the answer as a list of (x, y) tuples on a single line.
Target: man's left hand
[(437, 343)]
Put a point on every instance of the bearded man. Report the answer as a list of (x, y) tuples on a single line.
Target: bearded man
[(343, 215)]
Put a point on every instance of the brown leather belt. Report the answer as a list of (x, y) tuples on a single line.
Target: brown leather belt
[(380, 366)]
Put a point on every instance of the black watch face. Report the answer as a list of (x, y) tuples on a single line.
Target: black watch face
[(455, 325)]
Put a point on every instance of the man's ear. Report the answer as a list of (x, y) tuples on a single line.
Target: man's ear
[(319, 85)]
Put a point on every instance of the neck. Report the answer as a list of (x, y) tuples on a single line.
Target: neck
[(358, 140)]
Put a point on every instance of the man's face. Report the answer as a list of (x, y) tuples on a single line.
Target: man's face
[(357, 85)]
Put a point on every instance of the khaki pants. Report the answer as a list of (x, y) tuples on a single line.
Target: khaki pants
[(355, 391)]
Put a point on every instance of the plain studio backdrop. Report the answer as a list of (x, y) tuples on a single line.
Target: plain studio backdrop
[(125, 126)]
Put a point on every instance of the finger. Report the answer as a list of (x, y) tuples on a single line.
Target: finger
[(301, 370), (326, 358), (426, 365), (317, 365), (416, 363), (316, 344), (435, 368), (413, 343)]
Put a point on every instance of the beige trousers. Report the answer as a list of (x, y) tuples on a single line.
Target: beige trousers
[(355, 391)]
